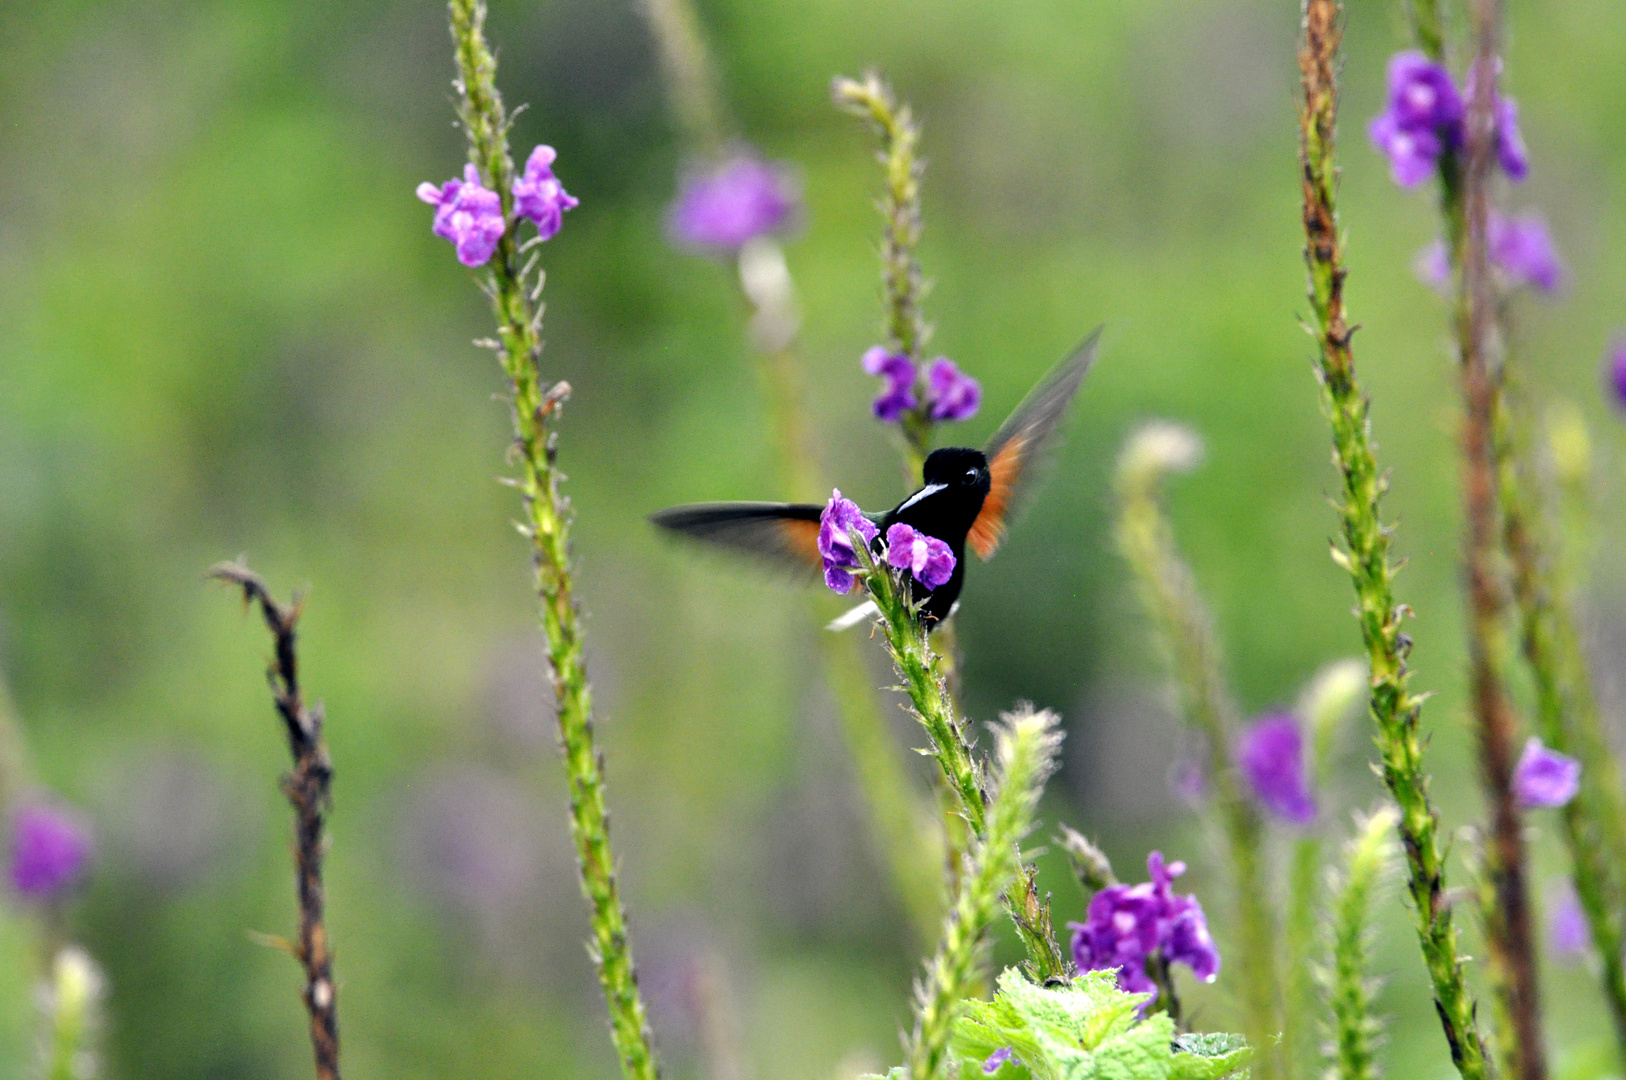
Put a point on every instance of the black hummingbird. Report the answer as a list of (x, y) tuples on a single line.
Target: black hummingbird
[(966, 496)]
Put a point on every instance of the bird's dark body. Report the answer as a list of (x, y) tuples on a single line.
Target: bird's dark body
[(955, 486), (967, 497)]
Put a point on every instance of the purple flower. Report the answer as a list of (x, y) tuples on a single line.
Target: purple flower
[(1127, 924), (1523, 249), (1423, 118), (1510, 150), (1520, 248), (1567, 927), (951, 393), (538, 195), (899, 373), (1544, 777), (835, 545), (468, 215), (737, 201), (927, 557), (1271, 754), (1615, 371), (49, 850), (996, 1059)]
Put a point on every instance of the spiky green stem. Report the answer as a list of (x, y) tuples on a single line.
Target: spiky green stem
[(1351, 991), (1566, 711), (1365, 554), (546, 524), (901, 284), (1168, 590), (1025, 747)]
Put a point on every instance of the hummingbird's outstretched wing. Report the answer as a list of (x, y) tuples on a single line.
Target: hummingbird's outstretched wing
[(783, 534), (1017, 450)]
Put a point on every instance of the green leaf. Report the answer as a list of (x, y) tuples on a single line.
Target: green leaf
[(1085, 1030)]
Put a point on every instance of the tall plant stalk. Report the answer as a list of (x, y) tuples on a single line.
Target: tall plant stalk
[(1025, 747), (1508, 920), (1366, 541), (1168, 590), (1351, 991), (899, 823), (537, 403), (964, 775), (1566, 711), (309, 790)]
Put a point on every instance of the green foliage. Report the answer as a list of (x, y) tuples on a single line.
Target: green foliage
[(1085, 1030)]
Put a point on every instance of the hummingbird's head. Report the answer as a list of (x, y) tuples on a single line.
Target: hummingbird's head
[(959, 469)]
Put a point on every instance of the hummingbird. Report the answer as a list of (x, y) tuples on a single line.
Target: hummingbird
[(967, 497)]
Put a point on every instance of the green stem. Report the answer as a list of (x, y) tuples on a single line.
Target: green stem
[(1025, 750), (1566, 711), (546, 524), (76, 987), (1351, 990), (1303, 907), (1169, 592), (1365, 554), (901, 283)]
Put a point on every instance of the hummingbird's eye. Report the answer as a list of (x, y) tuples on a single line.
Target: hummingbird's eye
[(971, 476)]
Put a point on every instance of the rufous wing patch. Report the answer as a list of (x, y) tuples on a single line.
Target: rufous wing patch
[(801, 538), (1004, 475)]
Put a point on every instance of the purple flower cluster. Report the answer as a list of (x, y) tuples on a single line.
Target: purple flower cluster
[(835, 544), (1126, 925), (470, 215), (1271, 754), (49, 851), (727, 206), (1567, 927), (996, 1059), (951, 394), (1545, 777), (1425, 117), (927, 557), (1520, 248)]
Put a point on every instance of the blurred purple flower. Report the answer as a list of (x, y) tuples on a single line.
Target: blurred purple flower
[(1127, 924), (1271, 753), (996, 1059), (1423, 117), (1615, 371), (950, 392), (835, 545), (1567, 927), (50, 848), (927, 557), (1187, 782), (468, 215), (538, 195), (1523, 249), (1510, 149), (731, 204), (899, 373), (1544, 777)]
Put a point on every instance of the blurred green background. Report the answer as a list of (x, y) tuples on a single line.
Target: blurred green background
[(225, 327)]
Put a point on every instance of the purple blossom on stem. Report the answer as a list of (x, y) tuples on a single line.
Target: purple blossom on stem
[(1271, 753), (1544, 777), (950, 392), (49, 851), (1127, 924), (899, 372), (996, 1059), (1510, 149), (538, 195), (1520, 248), (468, 215), (927, 557), (1615, 371), (731, 204), (835, 545), (1423, 118), (1567, 927)]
